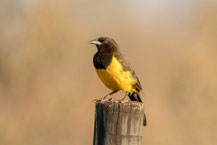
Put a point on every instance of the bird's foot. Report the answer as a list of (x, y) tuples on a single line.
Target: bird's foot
[(104, 99), (96, 100), (124, 100)]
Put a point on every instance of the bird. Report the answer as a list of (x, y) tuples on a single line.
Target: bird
[(114, 71)]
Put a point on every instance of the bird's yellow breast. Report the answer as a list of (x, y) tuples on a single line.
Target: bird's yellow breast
[(115, 78)]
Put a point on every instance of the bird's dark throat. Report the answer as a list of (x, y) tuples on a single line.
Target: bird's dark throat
[(102, 60)]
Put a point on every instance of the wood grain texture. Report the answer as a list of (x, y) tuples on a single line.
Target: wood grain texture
[(118, 123)]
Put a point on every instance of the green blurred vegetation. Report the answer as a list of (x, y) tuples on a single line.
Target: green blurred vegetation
[(47, 80)]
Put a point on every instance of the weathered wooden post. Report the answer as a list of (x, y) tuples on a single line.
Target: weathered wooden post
[(118, 123)]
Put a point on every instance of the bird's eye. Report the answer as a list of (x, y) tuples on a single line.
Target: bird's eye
[(105, 42)]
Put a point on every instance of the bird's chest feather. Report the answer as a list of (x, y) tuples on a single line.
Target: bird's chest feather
[(114, 76)]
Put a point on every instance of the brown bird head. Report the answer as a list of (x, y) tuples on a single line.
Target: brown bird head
[(105, 44)]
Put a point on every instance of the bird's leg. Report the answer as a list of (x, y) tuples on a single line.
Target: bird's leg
[(113, 92), (125, 98)]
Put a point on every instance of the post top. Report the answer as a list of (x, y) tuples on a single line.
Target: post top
[(114, 103)]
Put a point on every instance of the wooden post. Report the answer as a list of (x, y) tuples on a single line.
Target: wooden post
[(118, 123)]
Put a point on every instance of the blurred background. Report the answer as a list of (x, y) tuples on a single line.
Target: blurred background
[(47, 79)]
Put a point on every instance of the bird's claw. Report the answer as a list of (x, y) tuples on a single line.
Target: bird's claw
[(102, 100), (124, 100)]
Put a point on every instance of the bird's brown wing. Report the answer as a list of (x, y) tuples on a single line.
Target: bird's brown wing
[(126, 67)]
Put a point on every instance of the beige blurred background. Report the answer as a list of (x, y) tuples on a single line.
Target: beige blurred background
[(47, 79)]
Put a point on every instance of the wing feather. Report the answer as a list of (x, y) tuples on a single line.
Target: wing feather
[(126, 67)]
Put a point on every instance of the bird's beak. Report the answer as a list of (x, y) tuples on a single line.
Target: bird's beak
[(96, 42)]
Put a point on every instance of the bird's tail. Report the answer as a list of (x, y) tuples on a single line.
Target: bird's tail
[(136, 97)]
